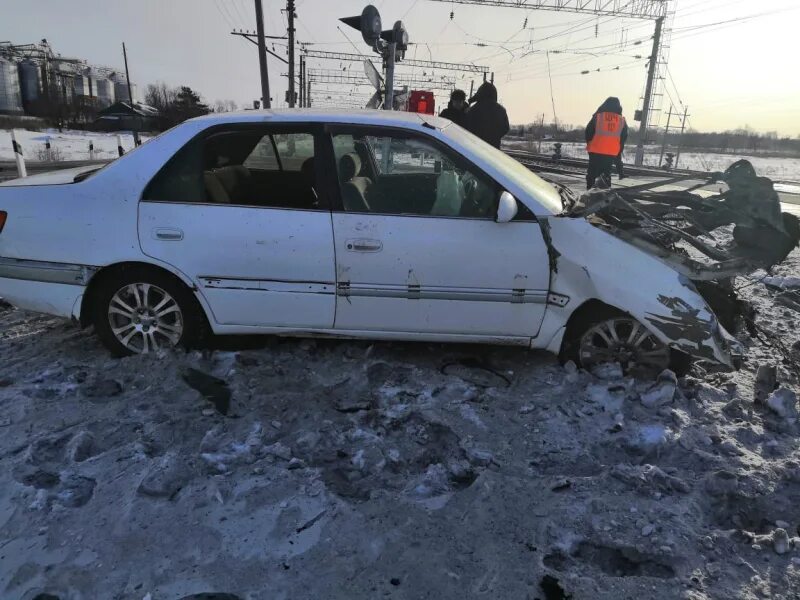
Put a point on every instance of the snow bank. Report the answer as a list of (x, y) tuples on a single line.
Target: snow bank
[(67, 145)]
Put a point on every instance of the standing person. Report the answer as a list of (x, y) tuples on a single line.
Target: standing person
[(457, 107), (486, 118), (605, 139)]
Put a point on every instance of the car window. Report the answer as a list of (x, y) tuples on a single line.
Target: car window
[(294, 149), (263, 156), (409, 175), (241, 168), (393, 155)]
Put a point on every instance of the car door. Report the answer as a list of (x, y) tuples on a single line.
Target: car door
[(238, 211), (417, 247)]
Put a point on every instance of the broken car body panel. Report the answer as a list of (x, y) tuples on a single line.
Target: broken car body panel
[(633, 281)]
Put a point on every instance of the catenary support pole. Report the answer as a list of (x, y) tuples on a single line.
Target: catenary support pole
[(290, 33), (18, 156), (136, 140), (666, 134), (302, 82), (680, 137), (262, 56), (648, 92)]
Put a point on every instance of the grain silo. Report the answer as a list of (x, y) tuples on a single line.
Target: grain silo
[(30, 82), (104, 90), (121, 89), (83, 83), (10, 96)]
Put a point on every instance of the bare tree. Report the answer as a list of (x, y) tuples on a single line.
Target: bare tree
[(225, 106)]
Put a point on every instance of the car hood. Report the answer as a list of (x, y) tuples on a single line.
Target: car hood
[(58, 177)]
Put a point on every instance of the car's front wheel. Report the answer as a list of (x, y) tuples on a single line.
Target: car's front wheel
[(623, 340), (140, 311)]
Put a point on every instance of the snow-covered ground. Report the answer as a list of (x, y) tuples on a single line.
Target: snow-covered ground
[(66, 145), (776, 168), (350, 470)]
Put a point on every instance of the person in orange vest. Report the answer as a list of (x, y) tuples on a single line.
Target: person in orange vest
[(605, 139)]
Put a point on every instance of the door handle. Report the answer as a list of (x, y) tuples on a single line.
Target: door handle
[(363, 245), (168, 234)]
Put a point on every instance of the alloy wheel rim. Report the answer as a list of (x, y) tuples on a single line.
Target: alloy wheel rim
[(624, 341), (145, 318)]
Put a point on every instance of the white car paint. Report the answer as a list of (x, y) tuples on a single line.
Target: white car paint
[(306, 279)]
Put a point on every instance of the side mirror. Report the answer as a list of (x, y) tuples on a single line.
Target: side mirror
[(506, 208)]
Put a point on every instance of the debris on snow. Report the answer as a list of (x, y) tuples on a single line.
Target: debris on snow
[(784, 403), (662, 392), (766, 383)]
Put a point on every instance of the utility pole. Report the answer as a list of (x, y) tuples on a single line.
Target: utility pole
[(308, 92), (666, 133), (262, 56), (388, 103), (648, 92), (290, 33), (136, 140), (680, 137), (302, 81)]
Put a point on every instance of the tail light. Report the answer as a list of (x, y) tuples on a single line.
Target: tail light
[(3, 217)]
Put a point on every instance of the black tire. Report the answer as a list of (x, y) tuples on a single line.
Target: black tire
[(195, 326)]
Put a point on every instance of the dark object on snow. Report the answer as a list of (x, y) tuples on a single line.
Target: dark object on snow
[(552, 589), (213, 389), (212, 596), (486, 118), (104, 388), (4, 306)]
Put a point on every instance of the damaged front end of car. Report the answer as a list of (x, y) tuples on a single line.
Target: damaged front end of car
[(708, 238)]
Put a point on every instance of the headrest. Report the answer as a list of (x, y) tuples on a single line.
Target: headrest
[(349, 166), (307, 168)]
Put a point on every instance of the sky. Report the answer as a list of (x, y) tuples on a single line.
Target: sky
[(730, 61)]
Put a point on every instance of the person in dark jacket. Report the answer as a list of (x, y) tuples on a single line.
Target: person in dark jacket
[(606, 134), (486, 118), (457, 107)]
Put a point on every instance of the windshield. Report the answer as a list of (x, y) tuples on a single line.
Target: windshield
[(534, 186)]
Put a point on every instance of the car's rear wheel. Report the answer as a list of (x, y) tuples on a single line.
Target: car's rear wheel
[(623, 340), (139, 311)]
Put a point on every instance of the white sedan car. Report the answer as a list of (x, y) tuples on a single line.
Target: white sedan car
[(358, 224)]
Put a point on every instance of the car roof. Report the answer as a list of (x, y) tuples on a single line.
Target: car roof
[(386, 118)]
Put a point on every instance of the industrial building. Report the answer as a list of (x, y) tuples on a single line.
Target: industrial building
[(34, 80)]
